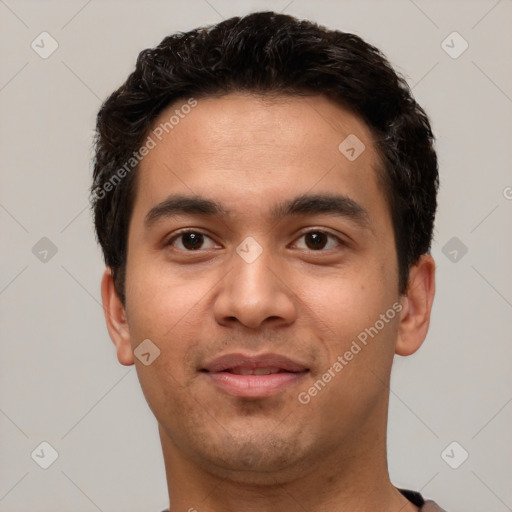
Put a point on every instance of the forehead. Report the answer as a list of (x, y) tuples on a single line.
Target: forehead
[(248, 150)]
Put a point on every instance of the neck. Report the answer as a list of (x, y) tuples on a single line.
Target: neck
[(342, 480)]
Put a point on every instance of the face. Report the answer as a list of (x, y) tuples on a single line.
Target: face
[(262, 265)]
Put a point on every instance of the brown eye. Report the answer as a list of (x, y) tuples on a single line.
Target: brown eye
[(191, 241), (318, 240)]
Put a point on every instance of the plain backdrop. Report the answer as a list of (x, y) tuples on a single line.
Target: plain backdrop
[(60, 381)]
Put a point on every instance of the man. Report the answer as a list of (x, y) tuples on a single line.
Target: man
[(264, 194)]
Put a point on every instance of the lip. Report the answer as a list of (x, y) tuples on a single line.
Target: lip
[(287, 373)]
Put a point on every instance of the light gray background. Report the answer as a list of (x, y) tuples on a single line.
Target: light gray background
[(60, 381)]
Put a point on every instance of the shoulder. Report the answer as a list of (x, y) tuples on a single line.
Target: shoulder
[(431, 506), (419, 501)]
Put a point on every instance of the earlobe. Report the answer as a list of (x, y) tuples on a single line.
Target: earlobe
[(115, 317), (416, 306)]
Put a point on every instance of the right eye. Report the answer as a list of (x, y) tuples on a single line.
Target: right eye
[(190, 241)]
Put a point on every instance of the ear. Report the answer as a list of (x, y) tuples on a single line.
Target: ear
[(115, 317), (416, 306)]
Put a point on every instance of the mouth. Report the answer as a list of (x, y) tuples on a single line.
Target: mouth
[(248, 376)]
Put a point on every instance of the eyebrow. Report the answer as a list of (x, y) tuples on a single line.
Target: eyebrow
[(306, 204), (312, 204)]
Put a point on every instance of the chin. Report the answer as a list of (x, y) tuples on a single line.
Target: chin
[(254, 459)]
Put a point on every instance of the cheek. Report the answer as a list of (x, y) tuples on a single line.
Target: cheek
[(157, 292), (348, 299), (358, 348), (353, 313), (162, 307), (165, 311)]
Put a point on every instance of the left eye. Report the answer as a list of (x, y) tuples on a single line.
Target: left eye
[(317, 240)]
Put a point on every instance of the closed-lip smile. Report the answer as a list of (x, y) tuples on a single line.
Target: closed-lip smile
[(254, 376)]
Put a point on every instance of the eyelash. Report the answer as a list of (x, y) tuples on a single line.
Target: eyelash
[(189, 231)]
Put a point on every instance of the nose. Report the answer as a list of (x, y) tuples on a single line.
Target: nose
[(255, 294)]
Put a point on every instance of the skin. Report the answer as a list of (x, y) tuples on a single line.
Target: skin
[(275, 453)]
